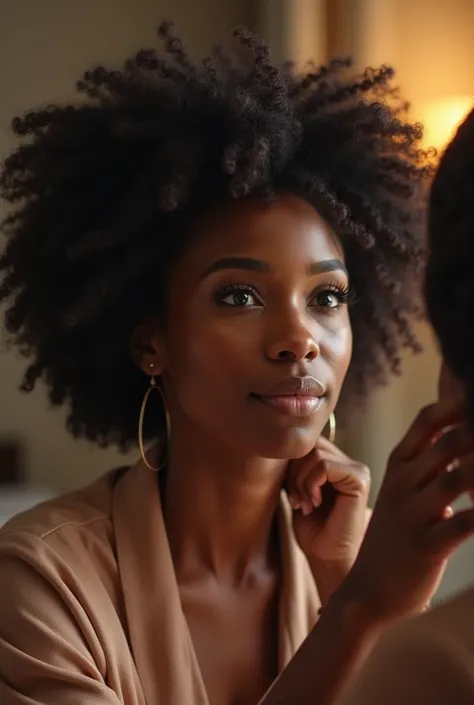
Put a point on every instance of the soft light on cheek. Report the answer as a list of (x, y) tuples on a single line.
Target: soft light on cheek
[(337, 344)]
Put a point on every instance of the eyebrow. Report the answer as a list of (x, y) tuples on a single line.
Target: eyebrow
[(248, 263), (327, 265), (257, 265)]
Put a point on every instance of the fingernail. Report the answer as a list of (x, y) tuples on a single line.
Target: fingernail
[(306, 508), (316, 502), (448, 512)]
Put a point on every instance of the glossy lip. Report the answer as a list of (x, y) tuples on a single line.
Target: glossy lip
[(302, 386), (294, 405), (297, 397)]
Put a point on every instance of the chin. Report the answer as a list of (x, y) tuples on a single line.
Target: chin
[(291, 445)]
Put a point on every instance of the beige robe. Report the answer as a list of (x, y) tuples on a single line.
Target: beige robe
[(428, 660), (90, 612)]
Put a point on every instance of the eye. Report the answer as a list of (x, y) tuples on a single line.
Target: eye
[(238, 296), (332, 297)]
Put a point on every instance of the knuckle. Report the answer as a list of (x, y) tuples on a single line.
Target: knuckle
[(364, 474)]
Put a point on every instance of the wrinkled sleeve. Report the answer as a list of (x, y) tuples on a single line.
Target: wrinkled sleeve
[(49, 654), (415, 664)]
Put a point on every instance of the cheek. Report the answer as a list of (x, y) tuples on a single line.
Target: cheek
[(337, 347), (210, 354)]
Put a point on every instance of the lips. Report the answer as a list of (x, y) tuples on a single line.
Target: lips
[(296, 386), (294, 396)]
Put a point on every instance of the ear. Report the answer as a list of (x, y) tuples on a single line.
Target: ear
[(147, 348)]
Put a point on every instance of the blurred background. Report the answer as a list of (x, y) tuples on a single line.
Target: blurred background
[(45, 45)]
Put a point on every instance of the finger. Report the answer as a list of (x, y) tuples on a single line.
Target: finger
[(313, 483), (430, 421), (308, 486), (434, 501), (447, 535), (294, 483), (297, 474), (433, 461), (349, 479)]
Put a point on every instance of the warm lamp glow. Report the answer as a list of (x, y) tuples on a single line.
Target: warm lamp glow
[(442, 117)]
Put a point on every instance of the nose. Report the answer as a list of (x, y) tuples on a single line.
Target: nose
[(295, 343)]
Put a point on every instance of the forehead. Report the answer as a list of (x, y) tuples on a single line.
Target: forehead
[(288, 230)]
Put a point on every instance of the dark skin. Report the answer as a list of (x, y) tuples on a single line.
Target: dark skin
[(260, 296)]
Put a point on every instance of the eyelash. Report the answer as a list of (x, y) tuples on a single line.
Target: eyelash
[(230, 289), (344, 294)]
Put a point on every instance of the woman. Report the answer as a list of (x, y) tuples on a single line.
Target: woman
[(197, 233), (435, 653)]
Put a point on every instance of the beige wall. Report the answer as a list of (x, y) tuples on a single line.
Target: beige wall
[(295, 29), (44, 46)]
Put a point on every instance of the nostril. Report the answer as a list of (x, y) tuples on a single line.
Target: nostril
[(286, 356)]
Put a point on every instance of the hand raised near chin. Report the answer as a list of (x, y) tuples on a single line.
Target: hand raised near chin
[(329, 493)]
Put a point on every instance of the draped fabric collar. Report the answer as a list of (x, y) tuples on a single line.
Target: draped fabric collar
[(159, 636)]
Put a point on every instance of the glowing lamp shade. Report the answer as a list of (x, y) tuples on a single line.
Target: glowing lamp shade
[(442, 117)]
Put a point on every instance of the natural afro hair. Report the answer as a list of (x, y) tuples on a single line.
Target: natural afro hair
[(449, 286), (105, 190)]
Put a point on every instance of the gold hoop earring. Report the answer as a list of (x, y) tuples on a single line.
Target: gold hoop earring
[(141, 445), (332, 428)]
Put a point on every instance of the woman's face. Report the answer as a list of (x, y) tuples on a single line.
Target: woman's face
[(258, 301)]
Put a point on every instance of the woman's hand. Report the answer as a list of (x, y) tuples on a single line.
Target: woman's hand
[(413, 529), (329, 494)]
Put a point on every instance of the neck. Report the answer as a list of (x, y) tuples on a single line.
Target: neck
[(220, 510)]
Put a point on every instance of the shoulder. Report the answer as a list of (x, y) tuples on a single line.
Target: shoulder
[(425, 659), (58, 563), (63, 527), (86, 505)]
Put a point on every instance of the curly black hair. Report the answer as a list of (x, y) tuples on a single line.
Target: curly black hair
[(449, 287), (106, 189)]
